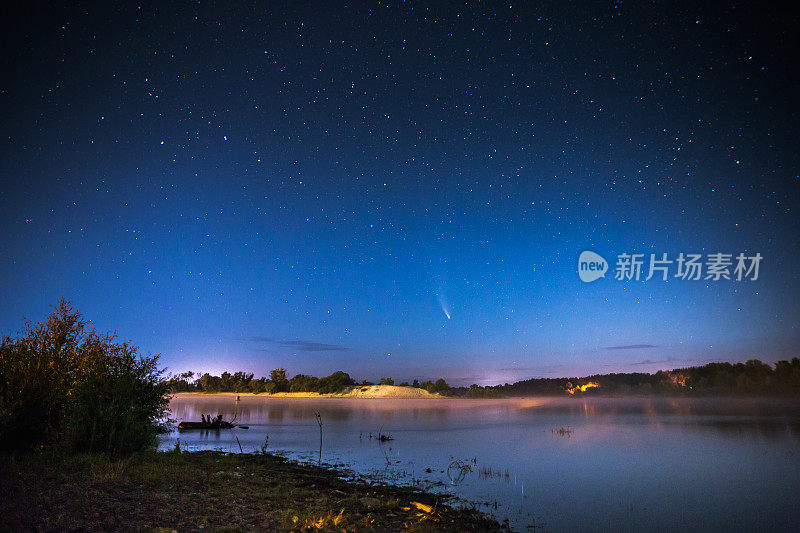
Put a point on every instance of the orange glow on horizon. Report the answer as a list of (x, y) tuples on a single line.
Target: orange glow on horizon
[(582, 388)]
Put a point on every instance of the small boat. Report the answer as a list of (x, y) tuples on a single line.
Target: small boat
[(208, 423)]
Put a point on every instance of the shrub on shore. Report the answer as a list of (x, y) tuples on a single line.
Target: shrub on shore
[(61, 383)]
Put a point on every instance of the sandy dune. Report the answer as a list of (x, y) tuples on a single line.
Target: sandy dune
[(386, 391)]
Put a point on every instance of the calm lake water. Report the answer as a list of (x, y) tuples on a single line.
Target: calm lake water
[(620, 464)]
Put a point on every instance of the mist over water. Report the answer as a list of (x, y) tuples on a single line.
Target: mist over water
[(566, 463)]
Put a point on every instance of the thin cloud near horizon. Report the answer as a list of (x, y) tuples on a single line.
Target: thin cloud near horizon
[(301, 345), (632, 347), (309, 346)]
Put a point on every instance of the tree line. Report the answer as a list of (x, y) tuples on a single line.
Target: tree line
[(278, 382), (752, 378)]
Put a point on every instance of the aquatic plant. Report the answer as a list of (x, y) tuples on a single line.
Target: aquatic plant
[(458, 470), (264, 446)]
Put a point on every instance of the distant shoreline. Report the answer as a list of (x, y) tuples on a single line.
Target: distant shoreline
[(358, 392), (390, 395)]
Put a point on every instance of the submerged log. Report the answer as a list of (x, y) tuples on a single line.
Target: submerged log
[(207, 423)]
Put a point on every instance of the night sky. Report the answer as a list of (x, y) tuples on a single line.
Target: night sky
[(403, 190)]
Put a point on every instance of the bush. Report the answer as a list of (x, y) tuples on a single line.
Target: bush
[(336, 382), (278, 378), (440, 387), (60, 382), (303, 383)]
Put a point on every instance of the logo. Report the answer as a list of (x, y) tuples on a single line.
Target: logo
[(591, 266), (685, 266)]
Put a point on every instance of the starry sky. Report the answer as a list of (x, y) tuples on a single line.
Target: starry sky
[(403, 190)]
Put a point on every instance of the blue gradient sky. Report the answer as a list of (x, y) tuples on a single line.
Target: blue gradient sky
[(243, 188)]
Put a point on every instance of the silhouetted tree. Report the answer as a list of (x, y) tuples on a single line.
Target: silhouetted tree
[(61, 382), (278, 378)]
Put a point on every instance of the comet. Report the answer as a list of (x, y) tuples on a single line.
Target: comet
[(443, 305)]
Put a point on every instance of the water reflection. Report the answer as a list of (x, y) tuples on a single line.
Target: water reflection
[(634, 463), (771, 418)]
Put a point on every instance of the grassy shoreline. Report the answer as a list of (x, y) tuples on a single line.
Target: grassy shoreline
[(210, 491)]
